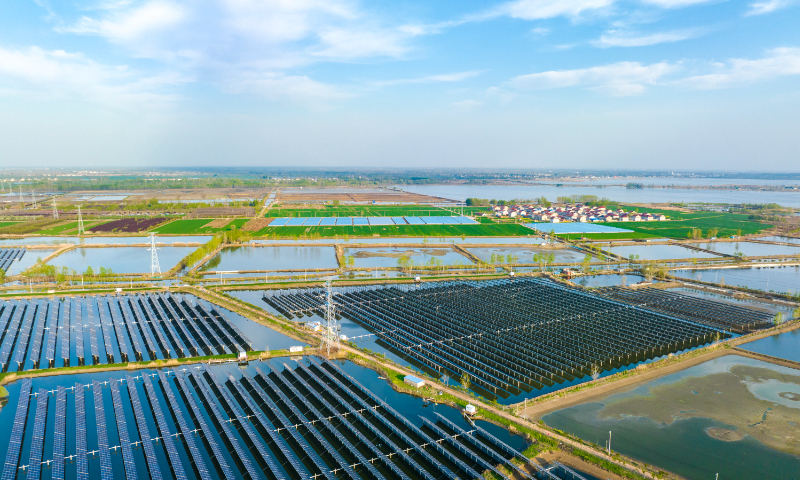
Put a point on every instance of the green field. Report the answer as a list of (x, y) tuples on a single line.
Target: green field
[(7, 224), (680, 224), (362, 211), (606, 236), (492, 230), (178, 227)]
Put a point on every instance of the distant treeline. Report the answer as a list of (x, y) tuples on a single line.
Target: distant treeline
[(591, 200)]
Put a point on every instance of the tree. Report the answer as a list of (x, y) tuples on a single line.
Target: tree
[(797, 312), (778, 318), (712, 232), (465, 380), (587, 260)]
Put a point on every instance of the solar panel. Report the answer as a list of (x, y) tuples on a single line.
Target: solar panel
[(227, 337), (278, 222), (65, 329), (52, 333), (11, 335), (82, 463), (8, 308), (200, 321), (224, 428), (244, 342), (105, 329), (25, 333), (38, 335), (360, 221), (138, 321), (188, 436), (92, 330), (310, 222), (248, 430), (380, 221), (78, 329), (17, 431), (163, 428), (128, 319), (59, 437), (414, 221), (295, 222), (119, 329), (152, 325), (215, 451), (327, 221), (167, 325), (37, 442), (106, 472), (187, 327), (144, 434), (344, 221), (122, 428)]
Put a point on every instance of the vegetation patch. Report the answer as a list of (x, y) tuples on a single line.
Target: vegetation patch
[(482, 230)]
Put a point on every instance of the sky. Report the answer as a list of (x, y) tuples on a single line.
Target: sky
[(645, 84)]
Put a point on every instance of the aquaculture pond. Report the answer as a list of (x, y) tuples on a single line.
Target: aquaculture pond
[(773, 278), (28, 260), (103, 240), (658, 252), (338, 406), (119, 259), (784, 345), (781, 239), (750, 249), (233, 259), (751, 303), (525, 255), (526, 240), (390, 256), (732, 416), (612, 280)]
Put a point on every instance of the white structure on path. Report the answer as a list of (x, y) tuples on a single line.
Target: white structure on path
[(154, 266)]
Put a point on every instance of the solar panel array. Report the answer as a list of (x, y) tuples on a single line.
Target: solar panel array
[(370, 221), (38, 334), (309, 422), (52, 334), (8, 256), (77, 323), (23, 342), (64, 327)]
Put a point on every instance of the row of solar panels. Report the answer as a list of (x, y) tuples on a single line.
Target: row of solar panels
[(368, 221), (312, 421), (8, 255)]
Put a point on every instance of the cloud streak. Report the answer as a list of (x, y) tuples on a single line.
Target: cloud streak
[(617, 79), (616, 38)]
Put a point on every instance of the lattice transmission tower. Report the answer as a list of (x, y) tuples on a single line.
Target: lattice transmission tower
[(154, 266), (55, 210), (330, 331), (81, 230)]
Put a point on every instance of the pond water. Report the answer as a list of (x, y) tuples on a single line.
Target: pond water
[(658, 252), (526, 240), (667, 181), (750, 249), (389, 256), (701, 421), (619, 194), (102, 240), (781, 239), (784, 345), (28, 260), (120, 259), (562, 255), (778, 279), (608, 280), (741, 302), (410, 407), (271, 258)]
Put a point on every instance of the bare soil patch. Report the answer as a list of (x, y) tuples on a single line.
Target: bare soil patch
[(256, 224), (218, 223)]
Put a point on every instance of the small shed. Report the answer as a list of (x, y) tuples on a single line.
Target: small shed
[(295, 349), (470, 409), (413, 381)]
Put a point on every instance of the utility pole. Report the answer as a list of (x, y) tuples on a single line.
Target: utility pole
[(609, 442), (154, 266), (55, 211), (80, 222), (330, 334), (20, 196), (33, 197)]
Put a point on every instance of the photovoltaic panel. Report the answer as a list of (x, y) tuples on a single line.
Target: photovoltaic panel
[(344, 221), (127, 318), (187, 325), (380, 221), (25, 333), (203, 323), (144, 433), (59, 436), (295, 222), (142, 324), (311, 222), (106, 328), (214, 450), (95, 350), (432, 220), (119, 329), (66, 315), (327, 221), (8, 308), (168, 326), (163, 428), (224, 428), (78, 330), (17, 431), (574, 227), (194, 453), (178, 323), (52, 333), (278, 222), (414, 221), (81, 462), (360, 221), (37, 442), (122, 428), (106, 472), (38, 333), (226, 337), (152, 324)]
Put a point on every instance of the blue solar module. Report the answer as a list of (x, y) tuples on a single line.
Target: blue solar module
[(295, 222), (119, 328), (194, 453), (37, 442), (25, 333), (78, 325), (244, 343), (177, 320), (310, 222), (574, 227), (92, 329), (467, 221), (151, 323), (137, 318), (214, 450), (344, 221), (128, 319), (59, 437), (414, 221), (106, 329), (10, 334), (38, 334), (224, 428), (122, 428), (17, 431), (278, 222), (327, 221), (189, 324), (52, 333), (380, 221), (144, 433), (202, 323), (433, 220), (399, 220), (360, 221), (225, 336), (163, 427), (65, 329), (167, 325), (82, 463), (106, 472), (8, 308)]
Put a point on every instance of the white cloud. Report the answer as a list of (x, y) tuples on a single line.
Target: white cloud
[(540, 9), (444, 77), (615, 38), (133, 24), (349, 43), (738, 71), (623, 78), (58, 74), (467, 105), (761, 8), (677, 3), (276, 86)]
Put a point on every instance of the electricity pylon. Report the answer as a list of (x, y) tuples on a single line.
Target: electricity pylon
[(55, 210), (80, 222), (154, 266), (330, 332)]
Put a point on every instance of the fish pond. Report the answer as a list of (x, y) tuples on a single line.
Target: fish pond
[(391, 256), (658, 252), (119, 259), (750, 249), (271, 258), (774, 278), (525, 255)]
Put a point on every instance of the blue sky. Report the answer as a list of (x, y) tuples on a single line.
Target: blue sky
[(682, 84)]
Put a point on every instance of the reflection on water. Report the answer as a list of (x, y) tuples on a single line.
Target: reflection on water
[(272, 258), (778, 279), (784, 345), (525, 255), (750, 249), (389, 257), (658, 252), (120, 259)]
